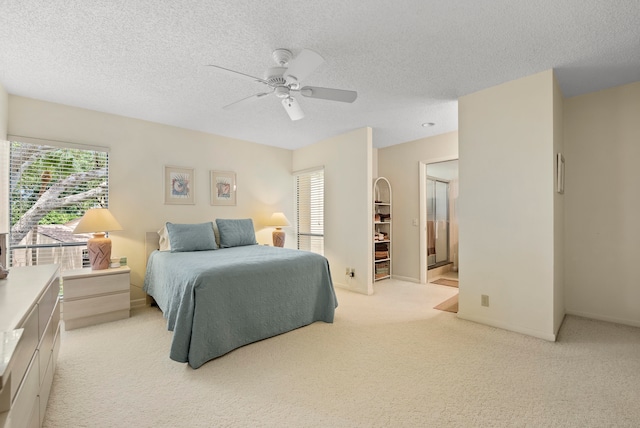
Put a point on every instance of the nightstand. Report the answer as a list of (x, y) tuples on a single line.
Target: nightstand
[(95, 296)]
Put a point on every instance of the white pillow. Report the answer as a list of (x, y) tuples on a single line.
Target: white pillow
[(165, 244)]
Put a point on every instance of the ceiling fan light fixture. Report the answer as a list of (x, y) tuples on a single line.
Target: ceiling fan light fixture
[(293, 108)]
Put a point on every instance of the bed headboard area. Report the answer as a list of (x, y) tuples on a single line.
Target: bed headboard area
[(151, 243)]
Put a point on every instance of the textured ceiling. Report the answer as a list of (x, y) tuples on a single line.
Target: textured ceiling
[(409, 60)]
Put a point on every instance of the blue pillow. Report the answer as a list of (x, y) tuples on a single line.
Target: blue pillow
[(191, 237), (236, 232)]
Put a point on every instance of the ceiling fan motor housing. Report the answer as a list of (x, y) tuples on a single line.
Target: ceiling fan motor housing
[(273, 76)]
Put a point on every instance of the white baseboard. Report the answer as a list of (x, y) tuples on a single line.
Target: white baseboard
[(504, 326), (606, 318), (348, 287), (405, 278), (138, 303)]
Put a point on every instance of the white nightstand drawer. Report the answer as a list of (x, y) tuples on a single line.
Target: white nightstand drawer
[(95, 296), (95, 305), (75, 288)]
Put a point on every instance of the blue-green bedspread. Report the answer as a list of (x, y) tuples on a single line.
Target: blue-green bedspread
[(216, 301)]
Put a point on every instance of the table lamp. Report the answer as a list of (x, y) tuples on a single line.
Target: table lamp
[(98, 221), (278, 220)]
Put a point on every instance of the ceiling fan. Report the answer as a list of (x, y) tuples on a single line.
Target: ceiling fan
[(284, 79)]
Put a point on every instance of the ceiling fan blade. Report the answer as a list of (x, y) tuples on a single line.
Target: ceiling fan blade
[(303, 65), (256, 79), (244, 100), (329, 94), (293, 108)]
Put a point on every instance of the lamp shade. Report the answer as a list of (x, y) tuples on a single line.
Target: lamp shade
[(278, 220), (97, 220)]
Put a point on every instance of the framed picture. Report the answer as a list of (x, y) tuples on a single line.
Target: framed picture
[(560, 173), (223, 188), (179, 185)]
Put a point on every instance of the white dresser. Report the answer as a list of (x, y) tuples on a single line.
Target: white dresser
[(30, 329), (95, 296)]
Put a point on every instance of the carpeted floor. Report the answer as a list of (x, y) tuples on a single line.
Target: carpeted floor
[(388, 360)]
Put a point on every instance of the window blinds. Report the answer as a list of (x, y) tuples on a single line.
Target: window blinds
[(51, 185), (310, 210)]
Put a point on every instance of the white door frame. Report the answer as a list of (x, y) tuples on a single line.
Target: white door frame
[(423, 212)]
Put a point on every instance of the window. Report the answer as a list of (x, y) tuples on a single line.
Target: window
[(51, 185), (310, 210)]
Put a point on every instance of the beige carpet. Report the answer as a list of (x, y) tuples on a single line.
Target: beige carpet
[(449, 305), (389, 360), (447, 282)]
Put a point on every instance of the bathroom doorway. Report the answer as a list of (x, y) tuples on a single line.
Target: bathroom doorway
[(437, 222), (439, 252)]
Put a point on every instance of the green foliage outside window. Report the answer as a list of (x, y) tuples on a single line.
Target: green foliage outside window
[(53, 185)]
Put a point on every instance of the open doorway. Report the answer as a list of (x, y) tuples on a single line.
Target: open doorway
[(438, 218)]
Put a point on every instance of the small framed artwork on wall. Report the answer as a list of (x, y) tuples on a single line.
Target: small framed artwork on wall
[(223, 188), (179, 185)]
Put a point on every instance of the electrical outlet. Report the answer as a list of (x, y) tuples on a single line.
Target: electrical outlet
[(484, 300), (352, 272)]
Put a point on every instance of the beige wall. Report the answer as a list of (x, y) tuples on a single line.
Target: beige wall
[(401, 165), (348, 211), (506, 205), (602, 204), (138, 152)]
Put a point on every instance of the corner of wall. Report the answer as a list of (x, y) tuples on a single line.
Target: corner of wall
[(513, 121), (558, 211), (347, 160)]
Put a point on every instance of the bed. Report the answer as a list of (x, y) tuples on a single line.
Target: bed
[(218, 299)]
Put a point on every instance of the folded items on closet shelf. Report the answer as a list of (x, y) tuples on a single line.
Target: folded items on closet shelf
[(381, 255)]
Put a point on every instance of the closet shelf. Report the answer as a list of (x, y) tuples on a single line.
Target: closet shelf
[(382, 237)]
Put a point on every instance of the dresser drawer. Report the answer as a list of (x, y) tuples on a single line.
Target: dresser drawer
[(45, 348), (56, 348), (46, 304), (75, 288), (26, 398), (55, 317), (45, 387), (25, 349)]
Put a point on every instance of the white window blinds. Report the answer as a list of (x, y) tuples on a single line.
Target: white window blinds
[(51, 185), (310, 210)]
